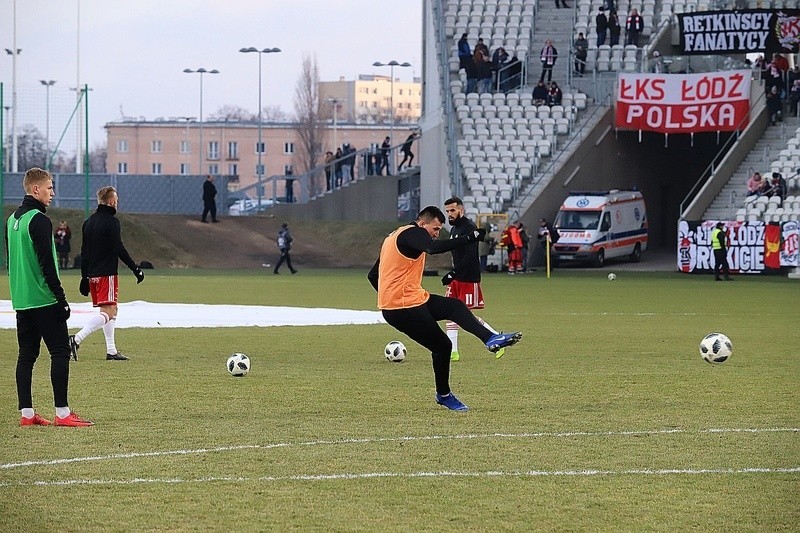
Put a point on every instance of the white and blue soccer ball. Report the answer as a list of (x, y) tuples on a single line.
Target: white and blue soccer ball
[(238, 365), (716, 348), (395, 352)]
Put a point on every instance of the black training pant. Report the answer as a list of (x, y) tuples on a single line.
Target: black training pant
[(33, 326), (284, 257), (209, 206), (420, 324), (721, 263)]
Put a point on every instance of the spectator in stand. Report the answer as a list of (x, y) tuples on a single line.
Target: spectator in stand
[(760, 66), (774, 105), (633, 27), (601, 21), (581, 49), (548, 57), (328, 170), (351, 160), (337, 166), (386, 151), (755, 185), (408, 155), (657, 66), (540, 94), (464, 52), (794, 97), (499, 59), (614, 28), (554, 94), (482, 48), (778, 187), (484, 74), (471, 70), (563, 4)]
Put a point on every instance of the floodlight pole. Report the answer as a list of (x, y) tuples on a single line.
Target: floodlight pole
[(47, 84), (200, 71)]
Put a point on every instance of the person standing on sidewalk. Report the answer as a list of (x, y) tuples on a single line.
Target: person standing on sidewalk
[(39, 300)]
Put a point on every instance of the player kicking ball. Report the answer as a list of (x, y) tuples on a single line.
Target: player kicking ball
[(409, 308)]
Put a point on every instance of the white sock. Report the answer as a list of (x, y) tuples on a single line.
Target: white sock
[(108, 331), (27, 412), (486, 325), (62, 412), (93, 324), (452, 334)]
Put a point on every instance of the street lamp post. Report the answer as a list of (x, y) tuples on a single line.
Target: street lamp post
[(391, 64), (335, 103), (47, 84), (14, 52), (259, 146), (200, 71)]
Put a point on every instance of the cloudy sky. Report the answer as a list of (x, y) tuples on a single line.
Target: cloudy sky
[(133, 52)]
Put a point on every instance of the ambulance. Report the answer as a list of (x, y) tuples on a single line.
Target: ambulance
[(597, 225)]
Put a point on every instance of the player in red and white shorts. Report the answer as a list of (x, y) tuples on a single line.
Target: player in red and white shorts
[(104, 290), (464, 281), (101, 252)]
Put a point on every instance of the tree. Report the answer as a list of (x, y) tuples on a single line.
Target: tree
[(274, 113), (310, 128), (232, 113), (31, 148), (97, 158)]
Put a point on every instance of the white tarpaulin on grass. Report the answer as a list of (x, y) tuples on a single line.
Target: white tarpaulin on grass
[(140, 314)]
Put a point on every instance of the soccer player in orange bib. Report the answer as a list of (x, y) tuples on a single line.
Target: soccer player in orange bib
[(409, 308), (464, 281)]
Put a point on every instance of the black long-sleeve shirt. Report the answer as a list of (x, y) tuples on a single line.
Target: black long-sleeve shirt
[(466, 265), (102, 246), (414, 242)]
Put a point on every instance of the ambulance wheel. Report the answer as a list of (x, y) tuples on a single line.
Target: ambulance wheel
[(636, 255), (600, 258)]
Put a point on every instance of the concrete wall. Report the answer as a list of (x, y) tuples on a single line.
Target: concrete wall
[(371, 199)]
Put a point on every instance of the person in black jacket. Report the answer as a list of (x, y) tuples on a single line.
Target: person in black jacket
[(38, 298), (101, 251), (209, 200), (464, 280)]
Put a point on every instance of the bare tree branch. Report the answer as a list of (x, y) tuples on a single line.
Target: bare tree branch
[(310, 128)]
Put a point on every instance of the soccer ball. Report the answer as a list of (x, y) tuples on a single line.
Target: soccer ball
[(238, 365), (715, 348), (612, 277), (395, 352)]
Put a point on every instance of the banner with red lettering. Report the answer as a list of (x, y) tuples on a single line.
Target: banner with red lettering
[(753, 247), (683, 103)]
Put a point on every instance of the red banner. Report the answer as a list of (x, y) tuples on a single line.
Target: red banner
[(772, 246), (683, 103)]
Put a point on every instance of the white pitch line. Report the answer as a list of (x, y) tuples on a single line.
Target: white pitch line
[(409, 438), (374, 475)]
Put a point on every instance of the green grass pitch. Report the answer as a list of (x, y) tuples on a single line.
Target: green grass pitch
[(604, 418)]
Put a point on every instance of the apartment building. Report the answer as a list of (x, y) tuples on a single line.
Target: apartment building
[(173, 147), (370, 99)]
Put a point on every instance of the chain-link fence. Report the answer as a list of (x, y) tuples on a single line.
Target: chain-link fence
[(137, 194)]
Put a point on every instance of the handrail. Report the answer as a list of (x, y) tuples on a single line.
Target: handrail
[(721, 153)]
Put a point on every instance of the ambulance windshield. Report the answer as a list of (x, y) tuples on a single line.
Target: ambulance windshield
[(577, 219)]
